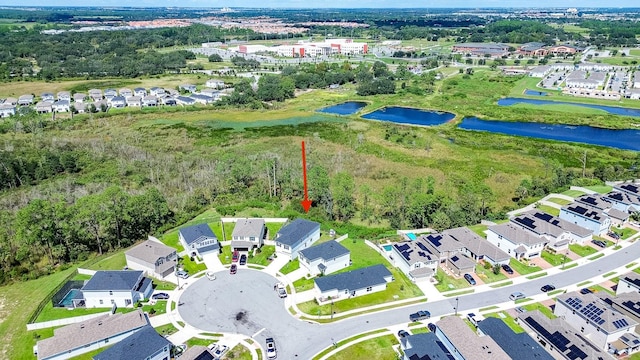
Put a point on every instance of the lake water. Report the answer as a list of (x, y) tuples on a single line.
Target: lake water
[(535, 92), (346, 108), (610, 109), (403, 115), (621, 139)]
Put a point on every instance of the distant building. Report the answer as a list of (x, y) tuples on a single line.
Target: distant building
[(481, 49)]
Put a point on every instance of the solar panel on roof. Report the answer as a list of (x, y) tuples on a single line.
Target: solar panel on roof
[(620, 323), (403, 247), (576, 353), (435, 240), (543, 216), (422, 246), (528, 222)]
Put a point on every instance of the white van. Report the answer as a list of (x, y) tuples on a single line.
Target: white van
[(516, 296)]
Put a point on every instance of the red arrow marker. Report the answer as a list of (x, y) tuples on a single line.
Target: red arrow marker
[(306, 203)]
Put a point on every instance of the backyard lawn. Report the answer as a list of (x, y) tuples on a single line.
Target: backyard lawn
[(116, 261), (548, 209), (543, 309), (523, 269), (582, 250), (377, 348), (573, 193), (53, 313), (273, 228), (479, 229), (600, 189), (559, 201)]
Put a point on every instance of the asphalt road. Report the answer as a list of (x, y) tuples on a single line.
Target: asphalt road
[(214, 306)]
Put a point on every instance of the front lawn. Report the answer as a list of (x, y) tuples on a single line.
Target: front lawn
[(290, 267), (167, 329), (303, 284), (163, 285), (553, 258), (487, 275), (543, 309), (261, 255), (225, 256), (239, 352), (191, 266), (522, 268), (582, 250), (158, 308), (447, 283), (511, 322), (197, 341), (624, 233), (377, 348)]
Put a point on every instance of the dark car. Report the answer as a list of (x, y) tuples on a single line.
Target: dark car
[(600, 243), (160, 296), (585, 291), (233, 269), (243, 259), (403, 333), (507, 269), (420, 315), (470, 279), (614, 235), (547, 288), (431, 327)]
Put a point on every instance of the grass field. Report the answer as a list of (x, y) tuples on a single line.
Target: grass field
[(488, 276), (510, 321), (548, 209), (291, 266), (116, 261), (260, 258), (553, 258), (582, 250), (573, 193), (559, 201), (624, 233), (523, 269), (543, 309), (447, 283), (600, 189), (377, 348)]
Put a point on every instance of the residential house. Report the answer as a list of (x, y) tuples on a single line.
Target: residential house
[(142, 92), (441, 245), (627, 303), (168, 101), (89, 335), (557, 232), (95, 94), (352, 283), (47, 96), (156, 91), (64, 95), (199, 239), (414, 259), (586, 216), (593, 317), (628, 283), (202, 99), (636, 79), (61, 106), (171, 92), (476, 247), (516, 345), (632, 189), (517, 242), (187, 87), (125, 92), (80, 97), (185, 100), (44, 107), (325, 258), (110, 93), (25, 100), (134, 101), (10, 101), (628, 343), (212, 93), (248, 234), (149, 100), (295, 236), (118, 287), (559, 338), (144, 344), (81, 107), (197, 352), (153, 257), (101, 105), (601, 202), (624, 201), (460, 264), (7, 110), (423, 346), (217, 84), (464, 344), (540, 71), (117, 101)]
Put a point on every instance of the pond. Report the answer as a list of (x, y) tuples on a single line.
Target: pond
[(346, 108), (535, 92), (403, 115), (621, 139), (610, 109)]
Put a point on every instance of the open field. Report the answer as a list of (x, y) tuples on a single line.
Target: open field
[(377, 348)]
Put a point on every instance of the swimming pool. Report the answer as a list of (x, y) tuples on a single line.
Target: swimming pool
[(412, 236), (67, 300), (387, 247)]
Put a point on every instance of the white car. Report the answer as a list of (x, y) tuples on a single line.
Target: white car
[(211, 275), (219, 351), (271, 349)]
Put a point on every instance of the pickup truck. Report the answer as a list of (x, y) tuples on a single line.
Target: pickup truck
[(420, 315)]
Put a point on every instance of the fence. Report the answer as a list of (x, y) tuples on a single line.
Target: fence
[(60, 294), (67, 321)]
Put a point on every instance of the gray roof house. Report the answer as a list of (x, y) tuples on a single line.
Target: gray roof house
[(139, 91), (47, 96), (25, 100), (152, 257), (515, 240), (247, 234), (116, 287), (197, 352), (586, 216), (295, 236), (624, 201), (459, 339), (424, 346), (325, 258), (199, 239), (558, 232), (414, 259), (441, 245), (628, 188), (187, 87), (516, 345), (353, 283), (82, 337), (477, 248), (185, 100), (144, 344), (43, 107), (629, 282)]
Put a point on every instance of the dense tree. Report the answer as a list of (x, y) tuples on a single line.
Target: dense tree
[(343, 190), (215, 58)]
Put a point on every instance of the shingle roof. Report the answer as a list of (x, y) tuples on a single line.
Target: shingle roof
[(414, 251), (355, 279), (630, 188), (632, 278), (476, 244), (294, 232), (139, 345), (597, 201), (248, 228), (209, 248), (590, 307), (462, 262), (424, 346), (193, 233), (441, 242), (516, 234), (113, 280), (585, 210), (517, 346), (150, 251), (468, 344), (87, 332), (197, 352), (327, 250)]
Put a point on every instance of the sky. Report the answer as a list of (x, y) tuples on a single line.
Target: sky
[(331, 3)]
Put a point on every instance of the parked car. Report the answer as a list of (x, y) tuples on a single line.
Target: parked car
[(160, 296), (420, 315), (403, 334), (271, 349), (520, 309), (182, 274), (211, 275), (614, 235), (585, 291), (243, 259), (282, 292), (507, 269), (233, 269), (234, 257), (470, 279), (600, 243), (431, 327), (220, 350), (547, 288), (516, 296)]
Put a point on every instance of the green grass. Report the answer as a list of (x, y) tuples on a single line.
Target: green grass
[(346, 341), (573, 193), (510, 321), (290, 267), (225, 256), (191, 266), (535, 276), (488, 276), (479, 229), (597, 288), (273, 228), (502, 284), (239, 352), (597, 256), (609, 274), (556, 292), (548, 209), (600, 189), (167, 329), (117, 261), (489, 308), (559, 201), (521, 268), (377, 348), (361, 255), (172, 239), (629, 266), (53, 313), (160, 308), (448, 283), (419, 330), (583, 283), (163, 285), (624, 233), (260, 258), (90, 354), (569, 266), (303, 284), (460, 293), (582, 250), (554, 259), (543, 309), (197, 341)]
